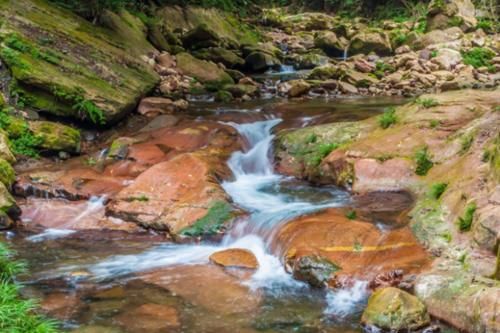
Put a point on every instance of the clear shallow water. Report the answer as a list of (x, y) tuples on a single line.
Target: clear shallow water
[(98, 279)]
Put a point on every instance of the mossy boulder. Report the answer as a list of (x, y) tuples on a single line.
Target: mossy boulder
[(259, 61), (56, 137), (240, 90), (202, 36), (444, 14), (218, 54), (7, 173), (67, 66), (329, 43), (203, 71), (5, 152), (395, 310), (310, 60), (326, 72), (371, 41), (314, 270)]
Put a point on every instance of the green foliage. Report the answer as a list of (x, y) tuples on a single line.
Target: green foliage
[(434, 53), (423, 161), (434, 123), (89, 110), (381, 68), (427, 102), (212, 223), (487, 24), (421, 26), (466, 142), (14, 42), (479, 57), (351, 215), (437, 190), (320, 152), (141, 198), (22, 142), (465, 221), (388, 118), (17, 315), (13, 58)]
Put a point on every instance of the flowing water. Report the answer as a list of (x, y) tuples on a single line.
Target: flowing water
[(96, 282)]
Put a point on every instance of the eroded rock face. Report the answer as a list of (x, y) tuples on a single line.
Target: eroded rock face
[(362, 251), (395, 310), (171, 195)]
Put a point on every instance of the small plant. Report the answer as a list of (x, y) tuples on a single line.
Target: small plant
[(437, 190), (486, 24), (447, 237), (141, 198), (421, 27), (427, 102), (381, 68), (479, 57), (88, 109), (434, 53), (465, 143), (388, 118), (434, 123), (26, 144), (423, 161), (312, 138), (351, 215), (91, 161), (465, 222), (357, 247)]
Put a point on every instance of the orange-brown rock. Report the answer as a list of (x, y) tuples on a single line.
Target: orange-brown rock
[(149, 318), (207, 286), (172, 195), (237, 258), (360, 249), (62, 306)]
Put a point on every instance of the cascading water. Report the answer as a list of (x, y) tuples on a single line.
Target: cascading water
[(251, 189)]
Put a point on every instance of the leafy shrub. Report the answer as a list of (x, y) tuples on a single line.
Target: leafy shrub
[(381, 68), (427, 102), (466, 142), (423, 161), (478, 57), (89, 110), (388, 118), (465, 221), (437, 190)]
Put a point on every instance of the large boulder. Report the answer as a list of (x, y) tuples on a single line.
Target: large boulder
[(259, 61), (56, 137), (396, 310), (201, 36), (312, 249), (438, 37), (447, 59), (445, 14), (180, 196), (367, 42), (205, 72), (330, 44), (79, 77)]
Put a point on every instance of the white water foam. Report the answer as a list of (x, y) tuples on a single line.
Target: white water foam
[(345, 301), (50, 234)]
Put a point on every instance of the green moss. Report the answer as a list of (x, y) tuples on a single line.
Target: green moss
[(434, 123), (428, 224), (479, 57), (427, 102), (142, 198), (465, 221), (22, 140), (212, 223), (437, 190), (7, 173), (423, 161), (381, 68), (466, 142), (388, 118), (351, 215)]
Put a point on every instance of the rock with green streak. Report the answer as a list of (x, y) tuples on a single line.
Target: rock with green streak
[(5, 152), (218, 54), (395, 310), (304, 149), (314, 270), (203, 71), (212, 223), (55, 137), (7, 173), (119, 147), (7, 202), (101, 72), (326, 72)]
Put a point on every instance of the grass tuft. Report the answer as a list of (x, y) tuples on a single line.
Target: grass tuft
[(437, 190), (423, 161), (388, 118), (427, 102), (465, 221)]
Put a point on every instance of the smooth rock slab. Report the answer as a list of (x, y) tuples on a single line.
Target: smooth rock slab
[(235, 258)]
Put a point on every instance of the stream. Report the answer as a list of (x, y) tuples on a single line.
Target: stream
[(114, 282)]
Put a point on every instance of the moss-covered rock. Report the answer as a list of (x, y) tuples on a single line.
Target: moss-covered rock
[(65, 65), (329, 43), (444, 14), (56, 137), (314, 270), (201, 36), (366, 42), (218, 54), (7, 173), (395, 310), (326, 72), (259, 61), (240, 90), (205, 72)]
